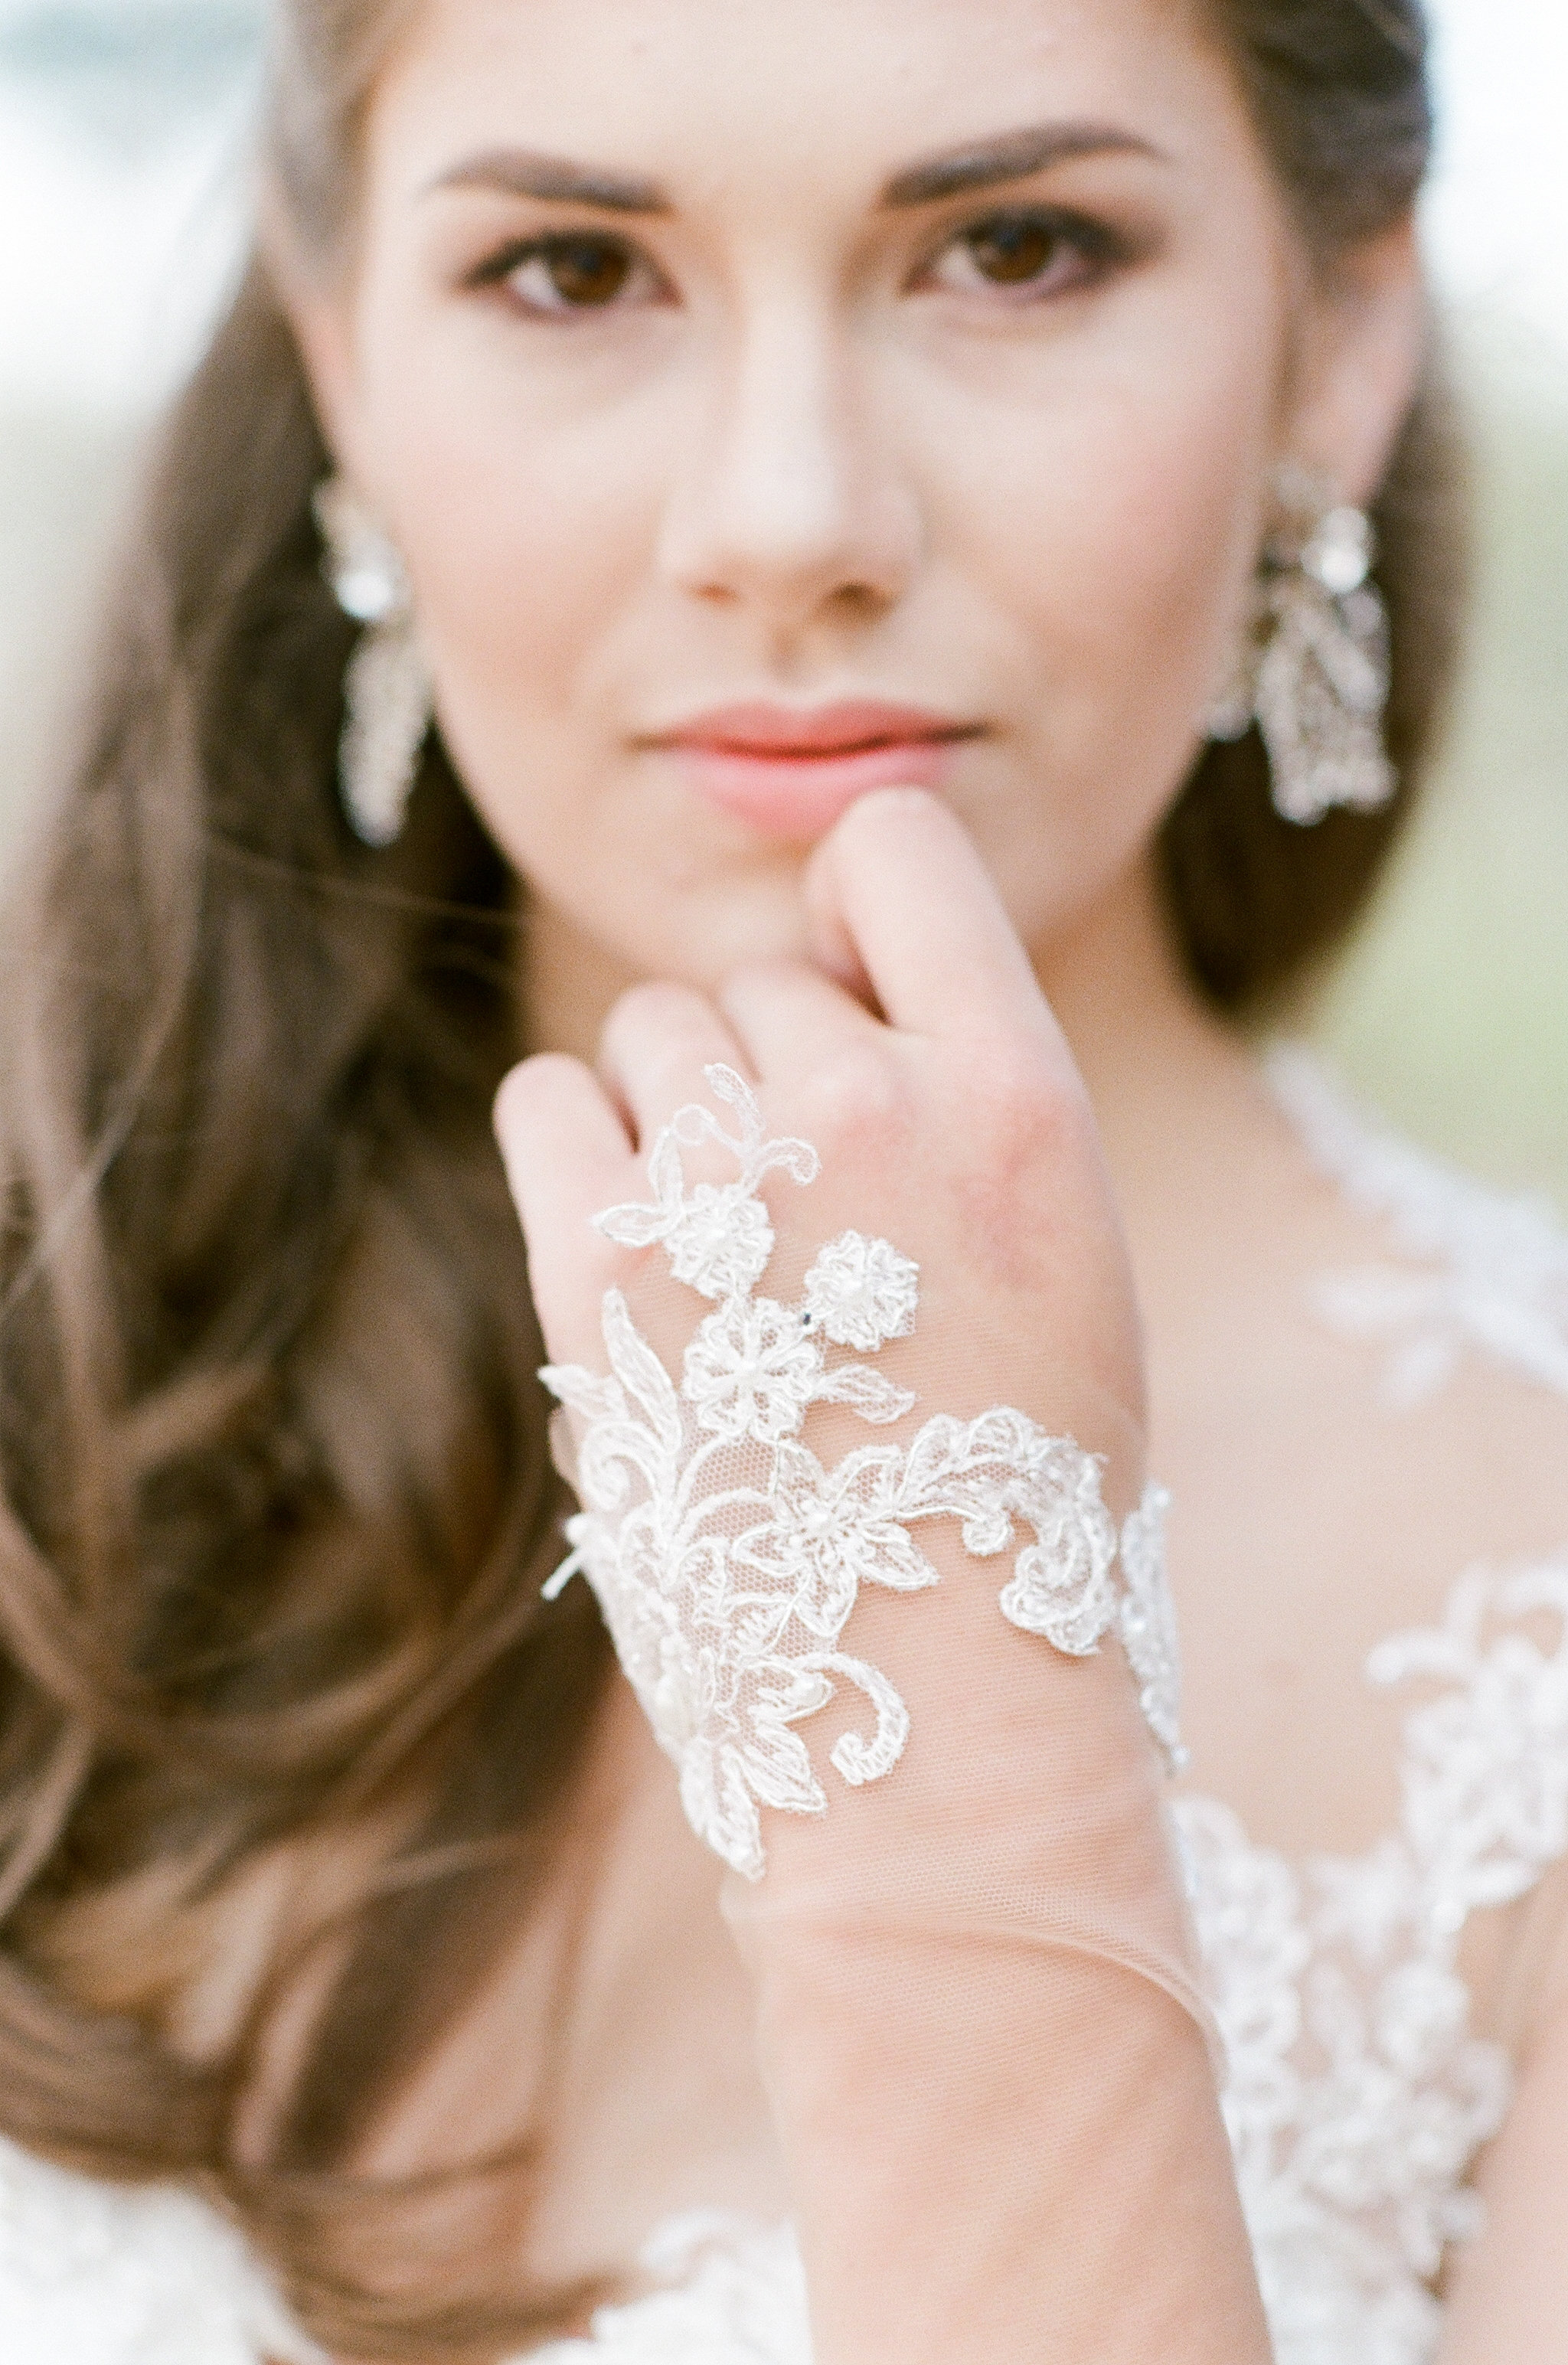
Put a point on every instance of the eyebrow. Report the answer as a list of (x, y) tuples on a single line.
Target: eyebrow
[(978, 164), (1014, 156), (524, 173)]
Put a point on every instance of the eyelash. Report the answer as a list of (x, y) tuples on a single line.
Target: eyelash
[(1097, 249), (557, 248)]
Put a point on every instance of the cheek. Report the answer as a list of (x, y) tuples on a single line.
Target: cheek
[(1113, 525), (528, 542), (1151, 548)]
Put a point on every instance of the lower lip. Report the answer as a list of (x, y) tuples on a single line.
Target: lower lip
[(801, 797)]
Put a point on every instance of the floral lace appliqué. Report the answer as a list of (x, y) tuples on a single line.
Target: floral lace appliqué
[(1483, 1271), (1358, 2095), (727, 1557)]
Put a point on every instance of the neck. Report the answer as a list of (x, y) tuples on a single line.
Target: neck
[(1149, 1050)]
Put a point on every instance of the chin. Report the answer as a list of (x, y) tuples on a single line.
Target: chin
[(716, 931)]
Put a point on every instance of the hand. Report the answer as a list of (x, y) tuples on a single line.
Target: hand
[(750, 1577), (950, 1122)]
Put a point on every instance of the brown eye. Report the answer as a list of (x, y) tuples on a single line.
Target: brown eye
[(565, 274), (1034, 253), (1014, 250), (587, 270)]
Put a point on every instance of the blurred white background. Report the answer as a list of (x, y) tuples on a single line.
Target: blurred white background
[(123, 196)]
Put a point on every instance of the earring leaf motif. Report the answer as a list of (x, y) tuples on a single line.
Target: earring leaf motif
[(387, 686), (1313, 668)]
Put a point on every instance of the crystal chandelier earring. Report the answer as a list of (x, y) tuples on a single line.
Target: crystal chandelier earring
[(1313, 667), (386, 689)]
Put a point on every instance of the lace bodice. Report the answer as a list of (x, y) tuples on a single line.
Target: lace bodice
[(1357, 2092), (1358, 2095)]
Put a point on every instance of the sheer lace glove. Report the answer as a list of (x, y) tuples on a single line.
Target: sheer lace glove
[(855, 1393)]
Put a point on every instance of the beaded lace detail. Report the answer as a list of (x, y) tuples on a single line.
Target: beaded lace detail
[(727, 1558)]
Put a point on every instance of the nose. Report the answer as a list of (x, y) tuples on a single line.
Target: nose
[(790, 504)]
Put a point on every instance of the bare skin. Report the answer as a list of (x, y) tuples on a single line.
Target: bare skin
[(808, 449)]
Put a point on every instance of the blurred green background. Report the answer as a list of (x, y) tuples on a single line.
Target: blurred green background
[(1452, 1006)]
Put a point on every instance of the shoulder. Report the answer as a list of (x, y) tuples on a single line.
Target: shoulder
[(99, 2274), (1378, 1414), (1469, 1271), (1455, 1297), (1456, 1294)]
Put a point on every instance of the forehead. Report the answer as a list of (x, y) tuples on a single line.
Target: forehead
[(708, 96)]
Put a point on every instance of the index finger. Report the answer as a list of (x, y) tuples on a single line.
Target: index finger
[(901, 881), (567, 1155)]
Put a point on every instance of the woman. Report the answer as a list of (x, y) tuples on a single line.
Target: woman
[(719, 423)]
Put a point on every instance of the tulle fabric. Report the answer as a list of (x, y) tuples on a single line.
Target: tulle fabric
[(981, 2028)]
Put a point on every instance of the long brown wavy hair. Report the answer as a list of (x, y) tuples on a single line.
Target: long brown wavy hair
[(275, 1494)]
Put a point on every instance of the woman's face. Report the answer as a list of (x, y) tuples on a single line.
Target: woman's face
[(771, 397)]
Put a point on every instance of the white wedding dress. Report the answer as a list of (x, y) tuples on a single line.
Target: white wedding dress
[(1357, 2092)]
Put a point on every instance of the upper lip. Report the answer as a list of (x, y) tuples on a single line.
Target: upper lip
[(764, 728)]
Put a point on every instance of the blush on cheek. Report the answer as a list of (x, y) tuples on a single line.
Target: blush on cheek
[(528, 529), (516, 583), (1184, 524), (1152, 537)]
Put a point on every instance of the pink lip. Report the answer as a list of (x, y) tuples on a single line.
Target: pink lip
[(790, 772)]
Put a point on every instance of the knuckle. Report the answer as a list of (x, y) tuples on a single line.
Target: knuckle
[(862, 1106), (1022, 1112), (647, 1013), (661, 1035), (1030, 1136), (762, 974)]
